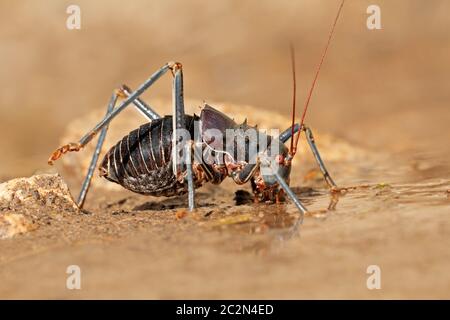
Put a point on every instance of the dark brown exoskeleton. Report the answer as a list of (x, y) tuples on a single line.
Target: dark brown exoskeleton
[(174, 155), (143, 160)]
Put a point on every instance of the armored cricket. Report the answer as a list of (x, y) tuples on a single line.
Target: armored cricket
[(160, 158)]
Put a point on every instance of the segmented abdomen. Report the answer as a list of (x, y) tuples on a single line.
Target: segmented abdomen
[(142, 160)]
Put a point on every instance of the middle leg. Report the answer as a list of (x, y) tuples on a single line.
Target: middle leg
[(181, 144)]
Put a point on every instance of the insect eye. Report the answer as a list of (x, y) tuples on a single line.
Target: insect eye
[(279, 159)]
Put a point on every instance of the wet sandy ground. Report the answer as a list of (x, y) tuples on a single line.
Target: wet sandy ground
[(128, 251), (131, 246), (380, 112)]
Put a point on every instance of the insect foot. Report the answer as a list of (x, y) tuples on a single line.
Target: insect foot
[(72, 146), (338, 190)]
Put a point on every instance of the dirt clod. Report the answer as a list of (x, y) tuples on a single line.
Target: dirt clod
[(180, 214), (27, 202), (14, 223)]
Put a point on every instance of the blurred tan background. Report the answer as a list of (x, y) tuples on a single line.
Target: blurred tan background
[(384, 89), (383, 95)]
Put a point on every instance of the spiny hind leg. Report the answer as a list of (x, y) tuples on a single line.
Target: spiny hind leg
[(122, 92), (147, 111), (93, 164), (131, 97)]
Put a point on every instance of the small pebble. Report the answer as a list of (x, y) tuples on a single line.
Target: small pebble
[(180, 214)]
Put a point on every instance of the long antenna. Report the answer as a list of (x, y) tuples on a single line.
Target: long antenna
[(294, 96), (294, 150)]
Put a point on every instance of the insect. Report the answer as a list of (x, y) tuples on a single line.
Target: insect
[(161, 158)]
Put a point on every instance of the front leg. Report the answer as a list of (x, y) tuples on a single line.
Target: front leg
[(315, 151)]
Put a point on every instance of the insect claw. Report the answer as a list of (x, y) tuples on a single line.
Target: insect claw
[(337, 190), (62, 150)]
